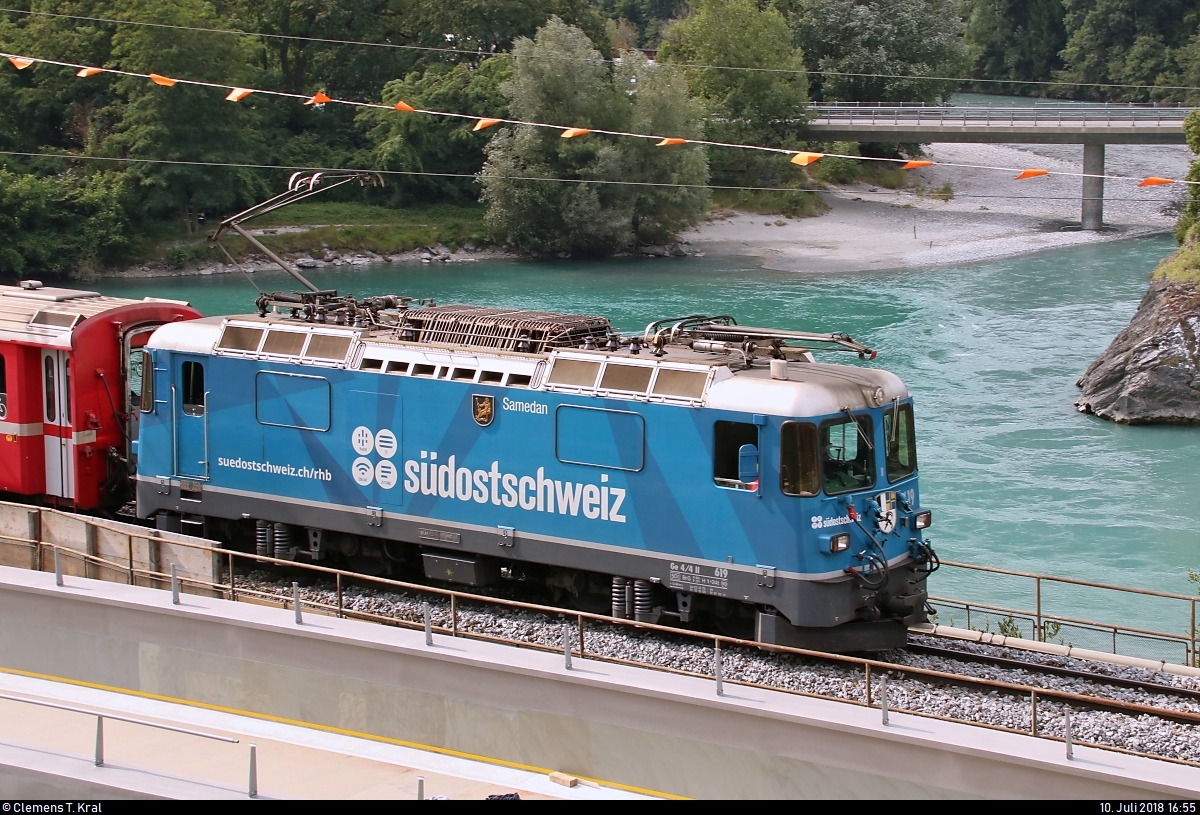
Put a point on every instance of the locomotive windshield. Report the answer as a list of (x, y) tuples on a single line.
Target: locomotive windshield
[(901, 443), (848, 461)]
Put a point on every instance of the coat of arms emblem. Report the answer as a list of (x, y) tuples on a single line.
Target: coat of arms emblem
[(483, 409)]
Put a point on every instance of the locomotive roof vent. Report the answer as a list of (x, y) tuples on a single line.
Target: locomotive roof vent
[(52, 295), (54, 319), (31, 284)]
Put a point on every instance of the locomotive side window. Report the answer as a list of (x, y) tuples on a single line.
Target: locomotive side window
[(328, 346), (288, 343), (728, 440), (901, 443), (618, 377), (846, 455), (240, 338), (66, 417), (798, 470), (576, 372), (48, 378), (3, 390), (687, 384), (193, 388)]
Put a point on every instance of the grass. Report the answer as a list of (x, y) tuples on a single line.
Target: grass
[(1184, 265), (792, 204), (340, 227)]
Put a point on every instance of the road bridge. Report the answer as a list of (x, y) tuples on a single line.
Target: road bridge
[(1093, 126)]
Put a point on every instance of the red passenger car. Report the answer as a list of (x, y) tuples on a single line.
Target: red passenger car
[(70, 381)]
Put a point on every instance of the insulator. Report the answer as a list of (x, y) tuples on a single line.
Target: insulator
[(643, 599), (618, 597), (283, 542), (264, 538), (711, 345)]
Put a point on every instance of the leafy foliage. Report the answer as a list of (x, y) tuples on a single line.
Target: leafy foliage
[(1014, 39), (560, 78), (896, 38), (763, 107)]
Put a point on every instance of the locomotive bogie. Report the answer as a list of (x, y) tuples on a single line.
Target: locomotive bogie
[(783, 495)]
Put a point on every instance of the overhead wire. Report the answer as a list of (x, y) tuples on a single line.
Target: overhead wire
[(478, 53), (799, 157), (610, 182)]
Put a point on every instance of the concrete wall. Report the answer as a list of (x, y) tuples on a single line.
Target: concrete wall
[(624, 725)]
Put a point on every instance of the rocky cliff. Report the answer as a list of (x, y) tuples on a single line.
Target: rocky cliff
[(1150, 374)]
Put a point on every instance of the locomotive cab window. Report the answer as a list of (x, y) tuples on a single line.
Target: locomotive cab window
[(847, 457), (735, 454), (48, 381), (799, 473), (900, 442), (193, 388), (3, 390)]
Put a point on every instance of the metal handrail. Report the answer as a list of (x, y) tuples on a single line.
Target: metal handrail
[(252, 785), (455, 598), (934, 116)]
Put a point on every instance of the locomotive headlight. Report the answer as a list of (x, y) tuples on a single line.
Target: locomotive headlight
[(839, 543), (923, 519)]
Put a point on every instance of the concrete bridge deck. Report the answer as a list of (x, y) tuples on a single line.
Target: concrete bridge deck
[(631, 728)]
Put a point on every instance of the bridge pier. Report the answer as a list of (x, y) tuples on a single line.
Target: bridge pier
[(1093, 188)]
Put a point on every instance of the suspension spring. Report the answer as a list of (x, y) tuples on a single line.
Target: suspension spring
[(283, 542), (618, 598), (643, 600), (264, 538)]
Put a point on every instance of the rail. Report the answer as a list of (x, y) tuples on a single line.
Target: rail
[(578, 630), (252, 785), (1181, 646), (1063, 115)]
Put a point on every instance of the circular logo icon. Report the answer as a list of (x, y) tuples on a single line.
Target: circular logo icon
[(385, 474), (385, 443), (363, 470), (363, 440)]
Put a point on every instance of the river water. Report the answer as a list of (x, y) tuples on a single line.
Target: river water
[(1016, 477)]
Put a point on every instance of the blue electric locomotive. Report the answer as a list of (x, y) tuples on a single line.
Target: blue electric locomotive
[(699, 468)]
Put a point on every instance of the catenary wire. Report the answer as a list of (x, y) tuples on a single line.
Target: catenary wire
[(299, 168), (477, 53)]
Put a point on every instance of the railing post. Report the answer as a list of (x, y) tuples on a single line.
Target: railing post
[(232, 591), (99, 741), (420, 788), (582, 653), (883, 699), (1067, 737), (174, 585), (1195, 658), (1041, 637), (339, 594), (1033, 712), (58, 580), (566, 635), (428, 623), (454, 615), (868, 667), (253, 771), (718, 667), (296, 602)]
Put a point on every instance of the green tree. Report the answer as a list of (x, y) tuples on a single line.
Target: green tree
[(870, 48), (417, 142), (67, 224), (1014, 39), (561, 79), (764, 106), (1126, 42)]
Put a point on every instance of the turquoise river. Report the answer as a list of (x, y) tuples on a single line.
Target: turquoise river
[(1017, 479)]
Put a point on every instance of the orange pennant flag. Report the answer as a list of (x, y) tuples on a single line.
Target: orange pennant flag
[(805, 159), (486, 123), (238, 94), (1154, 181), (165, 81), (572, 132), (913, 165), (319, 99), (19, 63), (1031, 174), (668, 142), (405, 106), (89, 71)]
